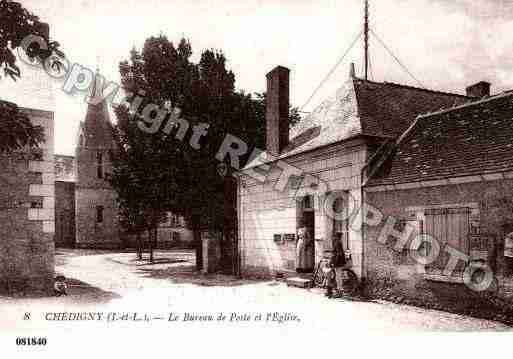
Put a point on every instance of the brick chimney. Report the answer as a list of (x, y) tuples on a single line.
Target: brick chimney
[(479, 90), (277, 110)]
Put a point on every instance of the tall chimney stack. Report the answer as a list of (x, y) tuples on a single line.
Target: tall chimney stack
[(277, 110), (479, 90)]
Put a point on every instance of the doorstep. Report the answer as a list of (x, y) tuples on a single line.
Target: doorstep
[(299, 282)]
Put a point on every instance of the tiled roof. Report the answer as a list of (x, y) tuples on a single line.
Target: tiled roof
[(97, 128), (362, 107), (388, 109), (472, 139)]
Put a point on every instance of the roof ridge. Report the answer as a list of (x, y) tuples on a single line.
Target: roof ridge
[(468, 104), (413, 88)]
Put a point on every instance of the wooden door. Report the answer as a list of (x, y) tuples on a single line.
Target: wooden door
[(450, 227)]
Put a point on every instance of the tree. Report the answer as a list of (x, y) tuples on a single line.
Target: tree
[(16, 23), (16, 130), (137, 179), (177, 176)]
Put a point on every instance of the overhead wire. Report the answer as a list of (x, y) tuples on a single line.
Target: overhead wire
[(328, 75)]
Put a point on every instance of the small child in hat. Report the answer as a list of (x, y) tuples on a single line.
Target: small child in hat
[(60, 287)]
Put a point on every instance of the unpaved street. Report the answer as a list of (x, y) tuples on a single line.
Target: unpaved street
[(117, 282)]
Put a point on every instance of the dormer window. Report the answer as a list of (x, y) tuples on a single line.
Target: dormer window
[(99, 164)]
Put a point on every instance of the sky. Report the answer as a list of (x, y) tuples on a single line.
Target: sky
[(446, 44)]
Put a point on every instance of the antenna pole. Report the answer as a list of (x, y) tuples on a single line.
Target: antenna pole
[(366, 37)]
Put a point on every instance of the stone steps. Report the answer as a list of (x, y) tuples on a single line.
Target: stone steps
[(299, 282)]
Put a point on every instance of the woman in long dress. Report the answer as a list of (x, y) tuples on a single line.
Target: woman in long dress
[(304, 249)]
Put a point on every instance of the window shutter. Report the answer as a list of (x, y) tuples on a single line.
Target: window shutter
[(449, 226)]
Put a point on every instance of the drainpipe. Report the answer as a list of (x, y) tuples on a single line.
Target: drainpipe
[(239, 228)]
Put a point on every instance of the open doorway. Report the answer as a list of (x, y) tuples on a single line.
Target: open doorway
[(305, 248)]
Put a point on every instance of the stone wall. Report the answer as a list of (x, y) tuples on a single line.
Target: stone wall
[(265, 211), (491, 208), (91, 192), (27, 215), (65, 214), (90, 233)]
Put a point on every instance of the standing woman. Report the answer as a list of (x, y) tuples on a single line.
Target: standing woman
[(304, 249)]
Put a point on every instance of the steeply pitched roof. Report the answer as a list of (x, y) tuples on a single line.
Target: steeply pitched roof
[(472, 139), (96, 128), (362, 107)]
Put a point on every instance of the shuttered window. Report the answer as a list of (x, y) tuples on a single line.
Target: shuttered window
[(450, 226)]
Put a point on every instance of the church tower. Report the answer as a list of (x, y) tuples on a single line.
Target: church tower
[(96, 208)]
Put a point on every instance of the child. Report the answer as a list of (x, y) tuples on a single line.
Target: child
[(60, 286), (329, 278)]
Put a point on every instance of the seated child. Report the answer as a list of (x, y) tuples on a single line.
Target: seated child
[(60, 286)]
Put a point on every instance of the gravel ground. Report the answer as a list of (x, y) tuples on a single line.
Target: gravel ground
[(118, 282)]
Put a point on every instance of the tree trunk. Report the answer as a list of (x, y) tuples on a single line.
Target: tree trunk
[(139, 245), (150, 240), (199, 249)]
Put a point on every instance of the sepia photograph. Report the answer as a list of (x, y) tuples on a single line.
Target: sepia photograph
[(242, 178)]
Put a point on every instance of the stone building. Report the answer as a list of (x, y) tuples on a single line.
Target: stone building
[(27, 214), (450, 176), (95, 201), (65, 231), (316, 169), (27, 191), (407, 164), (86, 210)]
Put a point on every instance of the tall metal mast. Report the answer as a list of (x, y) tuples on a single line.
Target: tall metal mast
[(366, 37)]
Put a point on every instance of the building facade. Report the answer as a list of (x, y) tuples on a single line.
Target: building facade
[(65, 231), (450, 177), (27, 225), (86, 210), (315, 170), (95, 201)]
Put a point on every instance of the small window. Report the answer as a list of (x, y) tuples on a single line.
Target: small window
[(99, 164), (176, 236), (99, 214), (37, 203)]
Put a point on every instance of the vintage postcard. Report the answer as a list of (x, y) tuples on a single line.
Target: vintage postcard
[(255, 177)]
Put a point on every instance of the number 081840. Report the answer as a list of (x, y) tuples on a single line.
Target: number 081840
[(31, 341)]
